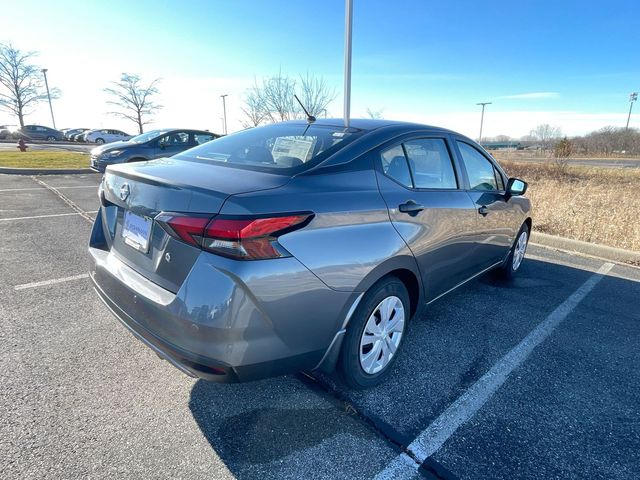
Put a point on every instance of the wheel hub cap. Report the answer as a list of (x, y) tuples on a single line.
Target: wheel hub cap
[(381, 335)]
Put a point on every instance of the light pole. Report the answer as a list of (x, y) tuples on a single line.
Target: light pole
[(44, 72), (224, 111), (633, 96), (348, 17), (482, 119)]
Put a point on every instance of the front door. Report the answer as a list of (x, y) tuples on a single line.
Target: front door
[(172, 144), (420, 184)]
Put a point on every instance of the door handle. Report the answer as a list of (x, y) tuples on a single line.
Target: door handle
[(484, 211), (410, 207)]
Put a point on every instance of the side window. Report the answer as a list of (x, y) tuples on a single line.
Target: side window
[(394, 165), (430, 163), (479, 169), (201, 138)]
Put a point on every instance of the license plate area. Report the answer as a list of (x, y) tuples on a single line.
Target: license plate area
[(136, 231)]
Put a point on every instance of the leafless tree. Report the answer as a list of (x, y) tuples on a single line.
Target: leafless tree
[(21, 82), (374, 114), (272, 99), (546, 135), (133, 100)]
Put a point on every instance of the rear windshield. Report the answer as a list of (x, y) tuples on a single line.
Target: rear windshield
[(283, 148)]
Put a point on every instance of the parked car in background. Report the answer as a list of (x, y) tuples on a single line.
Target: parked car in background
[(71, 133), (150, 145), (301, 246), (105, 135), (39, 132)]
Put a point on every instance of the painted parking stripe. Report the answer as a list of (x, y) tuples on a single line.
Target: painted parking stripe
[(51, 282), (468, 404), (45, 216), (44, 189)]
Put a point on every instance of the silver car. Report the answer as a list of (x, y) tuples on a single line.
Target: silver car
[(300, 246)]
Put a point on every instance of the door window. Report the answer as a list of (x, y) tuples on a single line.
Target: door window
[(394, 165), (430, 164), (481, 172), (201, 138), (175, 139)]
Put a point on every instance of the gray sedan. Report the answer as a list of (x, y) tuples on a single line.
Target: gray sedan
[(301, 246), (147, 146)]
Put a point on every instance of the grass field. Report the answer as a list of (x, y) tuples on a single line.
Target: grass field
[(598, 205), (44, 160)]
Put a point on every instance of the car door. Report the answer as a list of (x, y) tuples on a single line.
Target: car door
[(172, 144), (429, 207), (486, 188)]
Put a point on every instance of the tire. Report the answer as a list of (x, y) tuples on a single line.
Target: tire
[(358, 369), (136, 159), (99, 141), (51, 138), (516, 256)]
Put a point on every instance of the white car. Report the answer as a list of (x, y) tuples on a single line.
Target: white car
[(106, 135)]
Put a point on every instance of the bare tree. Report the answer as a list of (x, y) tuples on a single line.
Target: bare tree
[(272, 99), (134, 101), (562, 151), (21, 82), (375, 114), (546, 135)]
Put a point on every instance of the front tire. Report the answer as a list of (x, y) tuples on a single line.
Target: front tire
[(374, 337), (99, 141), (51, 139), (516, 255)]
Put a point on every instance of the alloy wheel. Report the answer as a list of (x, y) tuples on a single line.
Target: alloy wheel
[(519, 250)]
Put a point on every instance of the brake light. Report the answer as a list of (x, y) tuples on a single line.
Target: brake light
[(239, 238)]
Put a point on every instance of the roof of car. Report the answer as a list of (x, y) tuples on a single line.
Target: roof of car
[(368, 123)]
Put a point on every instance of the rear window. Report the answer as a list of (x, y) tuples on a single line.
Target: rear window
[(283, 148)]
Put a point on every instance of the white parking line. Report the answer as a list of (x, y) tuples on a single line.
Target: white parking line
[(44, 189), (45, 216), (468, 404), (51, 282)]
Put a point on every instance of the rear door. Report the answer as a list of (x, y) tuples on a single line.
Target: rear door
[(494, 219), (421, 184)]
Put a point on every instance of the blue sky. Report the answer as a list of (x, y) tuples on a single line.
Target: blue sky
[(567, 63)]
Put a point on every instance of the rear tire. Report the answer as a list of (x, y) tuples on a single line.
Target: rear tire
[(516, 255), (374, 337)]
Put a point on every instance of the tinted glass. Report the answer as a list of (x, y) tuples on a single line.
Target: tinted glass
[(274, 147), (394, 165), (176, 138), (479, 170), (430, 163), (201, 138)]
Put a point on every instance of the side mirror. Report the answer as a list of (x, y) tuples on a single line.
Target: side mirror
[(515, 187)]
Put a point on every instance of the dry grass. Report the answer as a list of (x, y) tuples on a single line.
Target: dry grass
[(598, 205), (44, 159)]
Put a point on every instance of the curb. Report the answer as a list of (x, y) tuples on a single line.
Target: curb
[(593, 249), (44, 171)]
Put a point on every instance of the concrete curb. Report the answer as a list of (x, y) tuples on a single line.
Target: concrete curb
[(592, 249), (44, 171)]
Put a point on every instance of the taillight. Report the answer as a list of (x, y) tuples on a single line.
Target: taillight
[(239, 238)]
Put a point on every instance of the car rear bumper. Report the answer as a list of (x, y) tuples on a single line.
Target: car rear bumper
[(227, 326)]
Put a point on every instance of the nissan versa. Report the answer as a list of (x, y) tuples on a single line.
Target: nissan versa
[(300, 246)]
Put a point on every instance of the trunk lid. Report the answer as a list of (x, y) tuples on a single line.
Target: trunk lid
[(145, 189)]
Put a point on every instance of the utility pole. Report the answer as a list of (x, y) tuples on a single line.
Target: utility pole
[(44, 72), (348, 20), (224, 111), (482, 119), (633, 96)]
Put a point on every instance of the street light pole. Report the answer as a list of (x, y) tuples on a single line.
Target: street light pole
[(224, 110), (482, 119), (44, 72), (348, 20), (632, 98)]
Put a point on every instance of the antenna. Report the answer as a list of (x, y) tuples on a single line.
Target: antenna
[(310, 118)]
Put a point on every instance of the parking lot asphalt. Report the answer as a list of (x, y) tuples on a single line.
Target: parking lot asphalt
[(81, 397)]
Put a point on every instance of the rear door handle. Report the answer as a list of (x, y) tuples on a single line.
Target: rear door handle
[(484, 211), (410, 207)]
